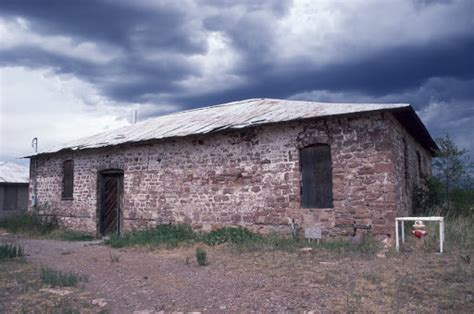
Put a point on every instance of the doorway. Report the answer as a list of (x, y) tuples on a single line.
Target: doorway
[(111, 187)]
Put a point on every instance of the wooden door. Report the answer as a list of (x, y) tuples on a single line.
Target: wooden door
[(111, 194)]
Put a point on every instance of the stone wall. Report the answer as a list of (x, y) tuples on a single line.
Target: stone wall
[(249, 177), (409, 174)]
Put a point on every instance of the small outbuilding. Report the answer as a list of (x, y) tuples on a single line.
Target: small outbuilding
[(13, 188), (259, 163)]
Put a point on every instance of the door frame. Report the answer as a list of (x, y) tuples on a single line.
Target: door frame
[(100, 199)]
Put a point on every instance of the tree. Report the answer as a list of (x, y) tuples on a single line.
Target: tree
[(451, 167)]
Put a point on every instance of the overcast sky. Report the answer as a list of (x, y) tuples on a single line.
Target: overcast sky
[(75, 68)]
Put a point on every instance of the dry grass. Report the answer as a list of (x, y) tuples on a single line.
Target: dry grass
[(23, 291)]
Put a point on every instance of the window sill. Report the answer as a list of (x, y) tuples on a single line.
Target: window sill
[(67, 198)]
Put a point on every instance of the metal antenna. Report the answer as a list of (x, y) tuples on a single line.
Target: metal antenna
[(34, 144), (134, 116)]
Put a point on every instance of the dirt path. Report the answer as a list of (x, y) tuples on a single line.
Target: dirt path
[(171, 280)]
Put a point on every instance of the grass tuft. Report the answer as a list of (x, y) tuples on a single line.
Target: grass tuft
[(10, 251), (201, 256), (114, 258), (56, 278)]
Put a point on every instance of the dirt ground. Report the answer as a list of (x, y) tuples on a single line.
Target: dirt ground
[(143, 280)]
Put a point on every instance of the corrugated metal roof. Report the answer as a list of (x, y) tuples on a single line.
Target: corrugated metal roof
[(13, 173), (234, 115)]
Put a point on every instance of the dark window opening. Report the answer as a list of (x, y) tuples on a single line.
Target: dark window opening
[(426, 165), (405, 163), (420, 165), (68, 179), (10, 199), (316, 177)]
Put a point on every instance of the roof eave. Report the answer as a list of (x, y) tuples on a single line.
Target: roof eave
[(79, 148), (410, 120)]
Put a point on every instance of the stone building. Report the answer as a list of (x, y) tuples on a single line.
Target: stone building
[(13, 189), (258, 163)]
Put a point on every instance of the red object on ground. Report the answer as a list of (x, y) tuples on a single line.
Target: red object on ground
[(419, 233)]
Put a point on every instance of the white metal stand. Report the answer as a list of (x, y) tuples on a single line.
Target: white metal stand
[(402, 220)]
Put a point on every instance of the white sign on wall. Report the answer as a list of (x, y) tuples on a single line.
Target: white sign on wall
[(312, 233)]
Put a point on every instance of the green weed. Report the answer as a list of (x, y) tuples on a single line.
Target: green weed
[(201, 256), (237, 237), (169, 235), (10, 251), (230, 235), (56, 278), (29, 224)]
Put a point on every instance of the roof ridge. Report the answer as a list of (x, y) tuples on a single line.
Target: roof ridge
[(232, 103)]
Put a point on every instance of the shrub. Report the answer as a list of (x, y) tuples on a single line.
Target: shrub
[(459, 233), (170, 235), (56, 278), (201, 256), (29, 223), (463, 201), (10, 251), (231, 235)]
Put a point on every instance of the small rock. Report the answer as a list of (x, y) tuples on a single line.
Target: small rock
[(60, 292), (222, 307), (99, 302), (306, 250)]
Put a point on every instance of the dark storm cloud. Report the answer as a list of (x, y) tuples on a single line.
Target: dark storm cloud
[(136, 31), (391, 71), (128, 80), (113, 22), (138, 79), (34, 57)]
